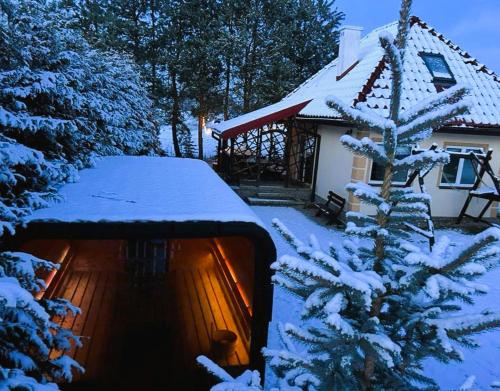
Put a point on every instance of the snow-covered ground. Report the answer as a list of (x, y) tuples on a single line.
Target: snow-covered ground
[(484, 362), (209, 143)]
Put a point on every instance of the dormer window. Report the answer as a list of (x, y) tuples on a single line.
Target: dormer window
[(440, 71)]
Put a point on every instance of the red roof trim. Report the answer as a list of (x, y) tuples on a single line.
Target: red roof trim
[(256, 123), (349, 69), (368, 86)]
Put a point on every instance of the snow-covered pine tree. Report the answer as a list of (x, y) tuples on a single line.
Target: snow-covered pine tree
[(62, 97), (186, 142), (377, 306), (61, 103), (31, 341), (28, 334), (247, 381)]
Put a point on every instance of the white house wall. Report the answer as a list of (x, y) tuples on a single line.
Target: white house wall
[(336, 169), (335, 162)]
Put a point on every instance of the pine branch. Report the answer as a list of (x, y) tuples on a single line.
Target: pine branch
[(450, 96), (421, 160), (393, 57), (362, 119), (360, 218), (365, 192), (365, 147), (467, 324), (214, 369), (433, 119), (479, 242), (403, 24)]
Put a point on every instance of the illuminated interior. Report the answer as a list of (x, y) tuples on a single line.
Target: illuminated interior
[(153, 306)]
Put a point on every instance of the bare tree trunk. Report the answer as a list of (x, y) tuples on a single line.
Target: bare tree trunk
[(250, 64), (153, 49), (175, 117), (385, 191), (227, 88), (382, 221), (253, 63), (201, 125)]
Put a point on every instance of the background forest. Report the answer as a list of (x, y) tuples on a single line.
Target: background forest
[(213, 57), (83, 79)]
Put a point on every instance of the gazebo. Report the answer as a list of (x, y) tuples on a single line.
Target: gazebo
[(269, 147)]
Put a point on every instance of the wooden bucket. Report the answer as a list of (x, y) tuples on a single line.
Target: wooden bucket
[(223, 342)]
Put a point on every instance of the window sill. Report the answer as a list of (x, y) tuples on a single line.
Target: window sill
[(456, 187), (379, 184)]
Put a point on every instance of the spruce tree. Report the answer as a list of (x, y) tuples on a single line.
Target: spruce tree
[(61, 103), (377, 307), (32, 343)]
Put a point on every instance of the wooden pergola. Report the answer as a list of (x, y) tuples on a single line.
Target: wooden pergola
[(273, 146)]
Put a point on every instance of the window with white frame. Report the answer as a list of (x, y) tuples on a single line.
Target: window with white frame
[(459, 172), (377, 172)]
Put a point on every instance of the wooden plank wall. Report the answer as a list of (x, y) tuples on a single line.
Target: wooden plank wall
[(202, 302), (131, 333)]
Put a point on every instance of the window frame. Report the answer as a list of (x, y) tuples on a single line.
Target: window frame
[(441, 83), (458, 177), (378, 182)]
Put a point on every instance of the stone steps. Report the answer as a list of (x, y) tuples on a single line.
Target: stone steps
[(275, 195), (274, 201)]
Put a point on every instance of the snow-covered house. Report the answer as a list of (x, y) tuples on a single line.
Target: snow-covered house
[(166, 263), (296, 141)]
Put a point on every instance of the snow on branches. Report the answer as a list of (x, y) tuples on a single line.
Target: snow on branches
[(247, 381), (28, 332), (375, 309)]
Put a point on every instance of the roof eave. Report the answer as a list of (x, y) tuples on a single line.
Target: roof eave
[(476, 129)]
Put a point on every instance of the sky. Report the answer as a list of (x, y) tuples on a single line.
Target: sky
[(474, 25)]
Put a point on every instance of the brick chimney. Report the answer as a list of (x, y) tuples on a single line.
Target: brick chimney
[(349, 47)]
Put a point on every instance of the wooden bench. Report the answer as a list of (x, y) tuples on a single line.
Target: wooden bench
[(332, 208)]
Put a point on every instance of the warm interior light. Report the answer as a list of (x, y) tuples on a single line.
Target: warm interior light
[(234, 278), (50, 277)]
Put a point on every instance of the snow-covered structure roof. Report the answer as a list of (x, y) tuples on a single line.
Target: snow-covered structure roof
[(124, 189), (368, 81)]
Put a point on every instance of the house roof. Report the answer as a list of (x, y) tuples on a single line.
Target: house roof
[(367, 82), (125, 189)]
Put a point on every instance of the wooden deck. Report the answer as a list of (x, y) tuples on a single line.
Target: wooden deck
[(147, 337)]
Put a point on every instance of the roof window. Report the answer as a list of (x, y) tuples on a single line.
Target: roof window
[(440, 70)]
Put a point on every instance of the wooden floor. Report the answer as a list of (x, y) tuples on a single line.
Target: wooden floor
[(142, 338)]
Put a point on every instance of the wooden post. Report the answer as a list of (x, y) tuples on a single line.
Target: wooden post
[(288, 142), (316, 164), (484, 167), (231, 160), (257, 153)]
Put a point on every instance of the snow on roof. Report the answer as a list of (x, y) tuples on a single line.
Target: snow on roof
[(369, 80), (274, 112), (147, 189)]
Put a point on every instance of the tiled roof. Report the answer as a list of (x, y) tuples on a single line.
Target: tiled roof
[(418, 82), (368, 82)]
